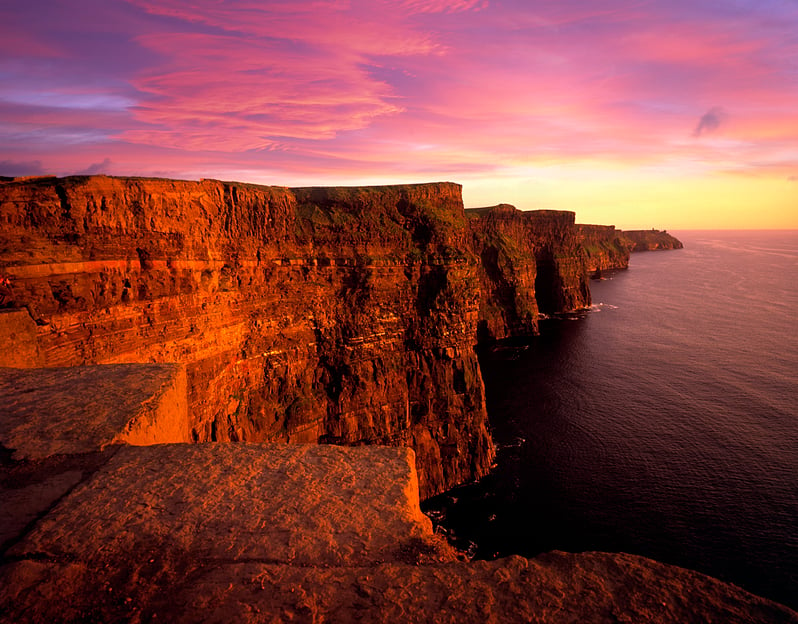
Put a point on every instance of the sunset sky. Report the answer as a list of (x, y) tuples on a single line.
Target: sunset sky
[(670, 114)]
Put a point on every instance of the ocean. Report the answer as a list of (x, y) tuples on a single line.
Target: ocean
[(663, 422)]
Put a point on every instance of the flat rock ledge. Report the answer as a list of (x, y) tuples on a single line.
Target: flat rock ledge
[(265, 533), (79, 409), (94, 529)]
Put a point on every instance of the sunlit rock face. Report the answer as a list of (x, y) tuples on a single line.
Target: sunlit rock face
[(305, 315), (651, 240), (605, 247)]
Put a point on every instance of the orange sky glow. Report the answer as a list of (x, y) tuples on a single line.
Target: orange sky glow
[(678, 115)]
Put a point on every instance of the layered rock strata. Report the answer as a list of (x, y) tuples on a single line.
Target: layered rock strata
[(652, 240), (305, 315)]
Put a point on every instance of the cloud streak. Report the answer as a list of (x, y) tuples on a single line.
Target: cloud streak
[(97, 168)]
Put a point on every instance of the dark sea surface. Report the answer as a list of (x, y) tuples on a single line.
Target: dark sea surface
[(663, 423)]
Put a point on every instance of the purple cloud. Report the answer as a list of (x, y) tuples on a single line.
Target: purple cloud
[(15, 169), (96, 168), (710, 121)]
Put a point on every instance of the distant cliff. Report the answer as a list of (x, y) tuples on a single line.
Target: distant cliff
[(605, 247), (344, 315), (530, 263), (651, 240)]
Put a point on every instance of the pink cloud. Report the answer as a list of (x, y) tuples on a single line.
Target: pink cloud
[(221, 92), (443, 6), (348, 28), (356, 86)]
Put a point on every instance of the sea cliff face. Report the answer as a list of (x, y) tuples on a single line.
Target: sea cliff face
[(605, 247), (306, 315), (344, 315), (530, 263)]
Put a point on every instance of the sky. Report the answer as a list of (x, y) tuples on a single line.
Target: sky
[(673, 114)]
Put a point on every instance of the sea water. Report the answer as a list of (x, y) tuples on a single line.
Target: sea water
[(663, 422)]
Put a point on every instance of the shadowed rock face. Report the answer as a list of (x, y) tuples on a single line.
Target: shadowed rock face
[(344, 315), (530, 263)]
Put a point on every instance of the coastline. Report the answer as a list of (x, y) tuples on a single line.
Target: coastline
[(218, 280)]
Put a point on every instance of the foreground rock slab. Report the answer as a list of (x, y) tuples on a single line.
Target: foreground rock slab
[(299, 504), (299, 533)]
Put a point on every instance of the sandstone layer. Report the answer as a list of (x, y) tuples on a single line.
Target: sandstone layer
[(344, 315)]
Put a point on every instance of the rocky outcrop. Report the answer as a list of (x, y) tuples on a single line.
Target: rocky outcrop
[(605, 248), (305, 315), (531, 263), (651, 240)]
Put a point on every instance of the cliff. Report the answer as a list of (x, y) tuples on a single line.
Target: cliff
[(651, 240), (345, 315), (605, 247), (306, 315), (530, 263), (215, 311)]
